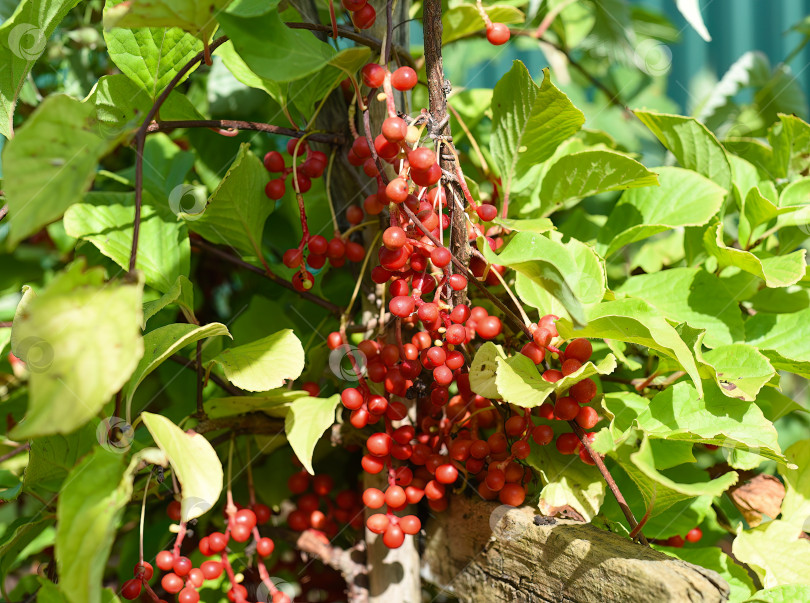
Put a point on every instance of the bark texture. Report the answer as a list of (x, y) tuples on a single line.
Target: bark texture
[(484, 552)]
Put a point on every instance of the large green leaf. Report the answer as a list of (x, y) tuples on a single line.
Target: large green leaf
[(714, 558), (240, 70), (165, 341), (776, 271), (757, 215), (89, 512), (463, 20), (580, 175), (194, 462), (740, 370), (528, 123), (265, 363), (678, 413), (198, 17), (570, 272), (16, 537), (781, 594), (106, 220), (790, 139), (783, 338), (23, 39), (181, 293), (272, 50), (50, 163), (635, 321), (796, 504), (567, 482), (775, 551), (685, 198), (81, 339), (693, 296), (693, 145), (52, 457), (275, 402), (305, 423), (237, 210)]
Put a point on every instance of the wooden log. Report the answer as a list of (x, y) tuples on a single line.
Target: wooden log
[(484, 552)]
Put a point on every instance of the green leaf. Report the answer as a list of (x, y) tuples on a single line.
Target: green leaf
[(16, 537), (307, 420), (781, 594), (775, 551), (89, 511), (634, 321), (685, 198), (238, 208), (775, 404), (740, 370), (23, 39), (272, 50), (306, 93), (243, 73), (198, 17), (150, 56), (50, 163), (106, 220), (81, 339), (776, 271), (796, 193), (690, 9), (483, 368), (194, 462), (165, 341), (265, 363), (52, 457), (757, 214), (693, 145), (536, 225), (796, 504), (678, 413), (790, 139), (715, 559), (49, 592), (275, 403), (463, 20), (528, 123), (581, 175), (181, 293), (693, 296), (569, 483), (519, 382), (570, 272), (783, 338)]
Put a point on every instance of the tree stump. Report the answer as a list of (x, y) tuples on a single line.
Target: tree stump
[(483, 552)]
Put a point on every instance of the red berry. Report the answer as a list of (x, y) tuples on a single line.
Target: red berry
[(188, 595), (395, 496), (579, 349), (317, 244), (542, 337), (566, 409), (567, 443), (393, 236), (217, 541), (143, 569), (354, 215), (164, 560), (441, 257), (397, 191), (292, 258), (401, 306), (587, 417), (182, 566), (542, 434), (694, 535), (353, 5), (512, 495), (394, 129), (196, 577), (521, 449), (446, 474), (675, 541), (373, 498), (497, 34), (583, 391), (173, 510), (377, 523), (495, 479), (487, 212), (457, 282), (364, 17), (322, 484), (245, 517), (171, 583), (489, 328), (421, 158), (379, 444), (552, 375), (265, 547), (393, 537), (403, 79), (275, 189), (533, 352), (303, 281), (131, 589), (410, 524), (211, 569), (373, 77), (292, 143), (274, 161), (571, 365)]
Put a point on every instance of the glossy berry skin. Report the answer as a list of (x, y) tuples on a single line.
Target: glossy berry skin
[(188, 595), (265, 547), (487, 212), (567, 443), (373, 77), (542, 434), (144, 570), (245, 517), (497, 34), (403, 79), (131, 589), (353, 5), (274, 161), (182, 566), (393, 537), (172, 583), (579, 349), (364, 17), (512, 494), (211, 569), (566, 409), (173, 510), (164, 560), (275, 189), (694, 535), (217, 542)]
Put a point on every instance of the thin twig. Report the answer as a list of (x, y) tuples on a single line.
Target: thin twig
[(204, 246), (15, 451), (235, 124), (188, 363), (140, 139), (3, 211)]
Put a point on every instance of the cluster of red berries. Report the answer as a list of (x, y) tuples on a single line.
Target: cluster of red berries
[(363, 14), (313, 166), (184, 580), (317, 510)]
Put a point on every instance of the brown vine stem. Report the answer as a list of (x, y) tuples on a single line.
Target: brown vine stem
[(514, 318), (402, 55), (208, 248), (140, 139), (15, 451), (3, 211), (597, 459), (235, 124), (350, 563)]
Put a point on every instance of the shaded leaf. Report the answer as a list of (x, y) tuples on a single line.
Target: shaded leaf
[(307, 420), (265, 363)]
